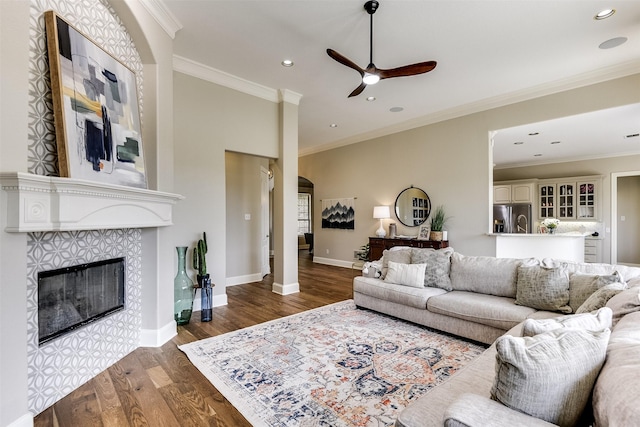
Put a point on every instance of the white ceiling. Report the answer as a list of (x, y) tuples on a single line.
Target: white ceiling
[(489, 53)]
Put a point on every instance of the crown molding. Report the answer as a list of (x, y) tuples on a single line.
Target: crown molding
[(574, 82), (286, 95), (163, 16), (204, 72)]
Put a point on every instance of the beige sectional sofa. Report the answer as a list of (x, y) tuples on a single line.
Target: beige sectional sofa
[(481, 298)]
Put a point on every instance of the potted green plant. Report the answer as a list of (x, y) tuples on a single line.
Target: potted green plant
[(438, 220)]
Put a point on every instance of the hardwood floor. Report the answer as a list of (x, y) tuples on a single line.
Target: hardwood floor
[(160, 387)]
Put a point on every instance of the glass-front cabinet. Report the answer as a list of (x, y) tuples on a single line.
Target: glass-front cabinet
[(547, 202), (566, 200), (587, 200)]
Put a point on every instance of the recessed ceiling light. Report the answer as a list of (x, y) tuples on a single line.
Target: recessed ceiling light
[(396, 109), (287, 63), (537, 155), (518, 143), (611, 43), (333, 125), (371, 98), (555, 142), (604, 14), (534, 133)]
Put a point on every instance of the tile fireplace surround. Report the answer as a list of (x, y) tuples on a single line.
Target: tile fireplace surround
[(68, 222)]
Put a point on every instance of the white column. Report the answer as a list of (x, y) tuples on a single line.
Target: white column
[(285, 198)]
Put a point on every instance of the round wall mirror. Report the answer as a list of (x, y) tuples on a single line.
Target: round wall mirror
[(413, 207)]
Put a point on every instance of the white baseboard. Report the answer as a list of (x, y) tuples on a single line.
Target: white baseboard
[(24, 421), (280, 289), (334, 262), (158, 337), (241, 280), (218, 301)]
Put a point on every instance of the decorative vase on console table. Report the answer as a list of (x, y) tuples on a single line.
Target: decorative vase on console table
[(182, 290), (204, 280)]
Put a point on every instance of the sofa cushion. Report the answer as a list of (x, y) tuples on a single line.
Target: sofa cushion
[(405, 295), (544, 288), (490, 310), (600, 297), (615, 401), (406, 274), (471, 410), (625, 302), (486, 275), (549, 376), (596, 321), (395, 254), (438, 265), (582, 285)]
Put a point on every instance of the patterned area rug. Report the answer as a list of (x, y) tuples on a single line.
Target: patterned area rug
[(332, 366)]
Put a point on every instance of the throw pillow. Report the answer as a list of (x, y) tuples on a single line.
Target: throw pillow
[(406, 274), (438, 265), (598, 321), (543, 288), (581, 286), (600, 297), (396, 255), (624, 303), (549, 376)]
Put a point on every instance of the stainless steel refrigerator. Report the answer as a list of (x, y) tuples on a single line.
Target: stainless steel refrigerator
[(512, 218)]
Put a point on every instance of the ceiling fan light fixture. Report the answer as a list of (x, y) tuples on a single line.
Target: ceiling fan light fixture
[(370, 79)]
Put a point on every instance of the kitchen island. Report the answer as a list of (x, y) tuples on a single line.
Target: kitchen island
[(568, 246)]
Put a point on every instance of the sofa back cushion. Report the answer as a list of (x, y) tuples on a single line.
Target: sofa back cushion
[(400, 254), (486, 275)]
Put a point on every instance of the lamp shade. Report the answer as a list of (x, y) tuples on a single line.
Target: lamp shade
[(380, 212)]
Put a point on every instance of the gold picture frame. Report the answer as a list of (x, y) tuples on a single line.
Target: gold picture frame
[(95, 109)]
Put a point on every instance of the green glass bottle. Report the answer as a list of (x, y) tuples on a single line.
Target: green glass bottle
[(182, 290)]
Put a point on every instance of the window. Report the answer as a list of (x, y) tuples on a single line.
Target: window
[(304, 213)]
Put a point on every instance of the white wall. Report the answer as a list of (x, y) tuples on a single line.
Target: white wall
[(449, 160)]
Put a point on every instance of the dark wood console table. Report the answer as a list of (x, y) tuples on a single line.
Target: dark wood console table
[(378, 244)]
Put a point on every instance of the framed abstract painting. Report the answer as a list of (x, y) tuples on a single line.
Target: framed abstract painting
[(95, 107)]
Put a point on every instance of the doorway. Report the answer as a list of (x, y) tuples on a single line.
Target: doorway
[(625, 218), (305, 216)]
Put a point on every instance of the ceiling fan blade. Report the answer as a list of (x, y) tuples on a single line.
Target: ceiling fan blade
[(357, 91), (344, 61), (407, 70)]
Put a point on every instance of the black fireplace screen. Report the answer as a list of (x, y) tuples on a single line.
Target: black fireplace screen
[(71, 297)]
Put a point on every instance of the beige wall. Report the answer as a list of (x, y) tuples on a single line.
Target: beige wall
[(243, 187), (628, 231), (208, 121), (449, 160)]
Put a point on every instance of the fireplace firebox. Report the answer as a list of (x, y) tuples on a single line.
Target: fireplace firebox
[(71, 297)]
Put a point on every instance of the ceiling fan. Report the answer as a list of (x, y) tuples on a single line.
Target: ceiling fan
[(371, 75)]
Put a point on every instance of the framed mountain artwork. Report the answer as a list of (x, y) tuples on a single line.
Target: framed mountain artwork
[(95, 107)]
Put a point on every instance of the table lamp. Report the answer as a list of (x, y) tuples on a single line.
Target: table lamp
[(381, 212)]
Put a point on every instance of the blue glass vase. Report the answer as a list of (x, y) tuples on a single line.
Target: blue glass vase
[(182, 290), (206, 298)]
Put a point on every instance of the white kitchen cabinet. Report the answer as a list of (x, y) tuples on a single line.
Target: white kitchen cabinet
[(587, 199), (516, 192), (501, 194), (592, 250), (566, 199), (547, 200)]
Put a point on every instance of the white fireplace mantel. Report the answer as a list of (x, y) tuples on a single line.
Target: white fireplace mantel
[(43, 203)]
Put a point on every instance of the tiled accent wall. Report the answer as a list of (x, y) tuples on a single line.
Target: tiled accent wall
[(60, 366)]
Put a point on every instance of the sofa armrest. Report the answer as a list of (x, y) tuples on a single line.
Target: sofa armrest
[(470, 410)]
